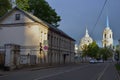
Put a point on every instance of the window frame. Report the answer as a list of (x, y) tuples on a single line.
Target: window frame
[(17, 16)]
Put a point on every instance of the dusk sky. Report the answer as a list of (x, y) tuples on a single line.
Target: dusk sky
[(76, 15)]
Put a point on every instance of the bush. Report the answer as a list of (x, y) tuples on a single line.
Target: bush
[(117, 66)]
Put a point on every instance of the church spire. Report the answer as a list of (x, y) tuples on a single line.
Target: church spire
[(107, 22), (86, 34)]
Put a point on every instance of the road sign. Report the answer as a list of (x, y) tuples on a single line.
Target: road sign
[(45, 48)]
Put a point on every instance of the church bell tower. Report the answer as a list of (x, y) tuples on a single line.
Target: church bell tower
[(107, 36)]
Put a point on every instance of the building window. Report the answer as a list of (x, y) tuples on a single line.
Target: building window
[(17, 17), (110, 35), (105, 45), (105, 35), (48, 36), (88, 41)]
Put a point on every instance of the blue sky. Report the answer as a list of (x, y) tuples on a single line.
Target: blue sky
[(76, 15)]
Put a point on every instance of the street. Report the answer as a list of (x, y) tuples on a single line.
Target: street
[(98, 71)]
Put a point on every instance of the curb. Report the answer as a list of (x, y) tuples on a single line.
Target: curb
[(33, 68), (118, 75), (51, 66)]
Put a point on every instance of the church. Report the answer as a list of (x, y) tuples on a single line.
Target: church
[(107, 36), (86, 40), (107, 40)]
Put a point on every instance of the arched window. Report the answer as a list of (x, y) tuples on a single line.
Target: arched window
[(105, 45), (110, 35), (105, 36)]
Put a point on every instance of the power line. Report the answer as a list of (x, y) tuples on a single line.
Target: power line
[(99, 16)]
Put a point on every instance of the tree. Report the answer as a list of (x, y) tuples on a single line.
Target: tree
[(116, 56), (85, 50), (117, 52), (43, 11), (23, 4), (105, 53), (4, 7), (93, 50)]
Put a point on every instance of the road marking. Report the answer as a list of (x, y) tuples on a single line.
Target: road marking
[(101, 74), (55, 74)]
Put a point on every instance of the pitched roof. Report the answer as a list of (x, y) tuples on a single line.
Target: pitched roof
[(34, 18)]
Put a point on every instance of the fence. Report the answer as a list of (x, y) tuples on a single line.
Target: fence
[(13, 56)]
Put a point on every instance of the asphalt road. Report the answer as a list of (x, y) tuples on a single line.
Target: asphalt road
[(99, 71)]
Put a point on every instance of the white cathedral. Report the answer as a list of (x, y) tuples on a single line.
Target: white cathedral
[(107, 40), (107, 36), (86, 40)]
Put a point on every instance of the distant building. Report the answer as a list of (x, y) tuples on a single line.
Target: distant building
[(25, 39), (86, 40), (107, 36), (76, 49)]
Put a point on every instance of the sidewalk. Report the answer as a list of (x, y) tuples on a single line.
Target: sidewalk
[(39, 67), (36, 67), (117, 70)]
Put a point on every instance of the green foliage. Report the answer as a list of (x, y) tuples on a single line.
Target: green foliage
[(118, 48), (43, 11), (85, 50), (117, 51), (23, 4), (117, 66), (4, 7), (91, 50), (105, 53)]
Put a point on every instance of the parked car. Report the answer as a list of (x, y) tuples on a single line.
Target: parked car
[(100, 61), (93, 61)]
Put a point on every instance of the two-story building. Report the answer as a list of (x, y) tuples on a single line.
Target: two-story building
[(25, 39)]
